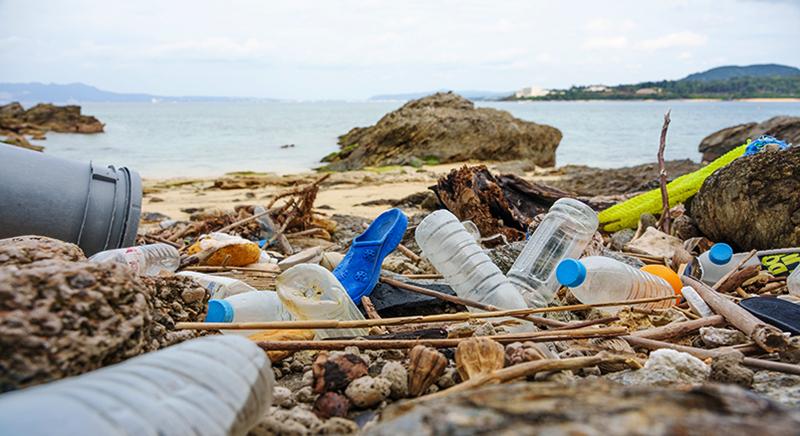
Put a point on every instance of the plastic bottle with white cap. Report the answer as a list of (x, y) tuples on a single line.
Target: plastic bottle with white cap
[(598, 279)]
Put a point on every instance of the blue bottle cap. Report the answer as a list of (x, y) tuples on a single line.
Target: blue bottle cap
[(570, 272), (720, 253), (219, 311)]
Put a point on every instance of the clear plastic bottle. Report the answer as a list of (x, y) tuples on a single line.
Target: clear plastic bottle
[(598, 279), (215, 385), (147, 260), (310, 291), (793, 282), (257, 306), (453, 251), (565, 232), (219, 287)]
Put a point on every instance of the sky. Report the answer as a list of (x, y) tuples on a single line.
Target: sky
[(353, 49)]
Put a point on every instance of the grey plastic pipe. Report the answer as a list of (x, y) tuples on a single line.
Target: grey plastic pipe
[(92, 206), (215, 385)]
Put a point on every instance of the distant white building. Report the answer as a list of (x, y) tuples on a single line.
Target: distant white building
[(531, 91), (597, 88), (648, 91)]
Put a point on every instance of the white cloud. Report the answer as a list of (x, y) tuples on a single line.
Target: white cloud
[(605, 42), (608, 25), (678, 39)]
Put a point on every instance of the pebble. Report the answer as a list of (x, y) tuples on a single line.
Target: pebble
[(305, 395), (397, 374), (715, 337), (338, 426), (308, 378), (368, 391), (283, 397), (665, 367), (727, 368), (448, 379), (485, 329)]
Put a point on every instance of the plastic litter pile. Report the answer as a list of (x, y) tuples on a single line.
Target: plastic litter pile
[(349, 331)]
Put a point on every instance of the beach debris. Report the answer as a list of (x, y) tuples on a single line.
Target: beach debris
[(750, 204), (724, 140), (478, 356), (656, 243), (425, 366), (368, 391), (444, 127), (220, 249)]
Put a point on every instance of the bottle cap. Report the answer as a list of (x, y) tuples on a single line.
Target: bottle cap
[(219, 311), (720, 253), (571, 272)]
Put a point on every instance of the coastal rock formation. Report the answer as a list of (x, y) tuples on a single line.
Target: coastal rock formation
[(15, 122), (445, 127), (754, 202), (591, 408), (720, 142), (62, 316), (590, 181)]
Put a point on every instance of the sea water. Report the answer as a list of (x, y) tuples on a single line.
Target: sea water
[(193, 139)]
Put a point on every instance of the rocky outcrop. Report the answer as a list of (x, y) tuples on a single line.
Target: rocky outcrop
[(16, 122), (754, 202), (720, 142), (584, 180), (445, 127), (61, 315), (597, 408)]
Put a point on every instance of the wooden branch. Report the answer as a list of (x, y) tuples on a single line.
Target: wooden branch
[(768, 337), (399, 344), (272, 270), (651, 344), (408, 253), (724, 278), (679, 328), (664, 221), (526, 369), (423, 276), (737, 278), (243, 221)]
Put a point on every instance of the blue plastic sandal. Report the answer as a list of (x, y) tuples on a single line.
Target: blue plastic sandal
[(359, 270)]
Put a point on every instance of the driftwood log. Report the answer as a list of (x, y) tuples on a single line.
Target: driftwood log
[(504, 204)]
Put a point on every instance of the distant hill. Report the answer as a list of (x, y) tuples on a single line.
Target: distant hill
[(35, 92), (468, 94), (731, 71)]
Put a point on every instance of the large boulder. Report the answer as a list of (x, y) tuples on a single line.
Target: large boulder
[(46, 117), (754, 202), (720, 142), (445, 127), (591, 408), (61, 315)]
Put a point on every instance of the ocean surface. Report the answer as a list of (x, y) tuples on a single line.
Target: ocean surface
[(194, 139)]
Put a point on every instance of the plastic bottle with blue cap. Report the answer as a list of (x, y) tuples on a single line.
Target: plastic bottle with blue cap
[(598, 279), (720, 259), (256, 306)]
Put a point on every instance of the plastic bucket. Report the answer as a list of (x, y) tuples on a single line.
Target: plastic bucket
[(93, 206)]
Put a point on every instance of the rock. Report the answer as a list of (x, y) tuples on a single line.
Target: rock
[(590, 181), (305, 395), (64, 119), (727, 368), (591, 408), (622, 237), (714, 337), (397, 374), (368, 391), (655, 243), (441, 128), (666, 367), (331, 404), (336, 426), (777, 386), (62, 318), (753, 202), (334, 371), (684, 227), (20, 141), (23, 250), (282, 397), (504, 255), (720, 142), (484, 329), (448, 379)]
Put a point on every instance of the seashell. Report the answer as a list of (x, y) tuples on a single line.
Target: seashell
[(425, 366), (479, 356), (527, 352), (616, 346)]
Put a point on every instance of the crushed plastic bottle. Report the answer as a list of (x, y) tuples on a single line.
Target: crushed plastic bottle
[(311, 292), (696, 302), (565, 232), (215, 385), (457, 256), (598, 279), (219, 287), (793, 282), (257, 306), (720, 259), (148, 260)]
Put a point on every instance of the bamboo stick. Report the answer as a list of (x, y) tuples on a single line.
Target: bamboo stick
[(366, 344), (679, 328), (362, 323), (423, 276), (408, 253), (274, 272), (243, 221), (766, 336)]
